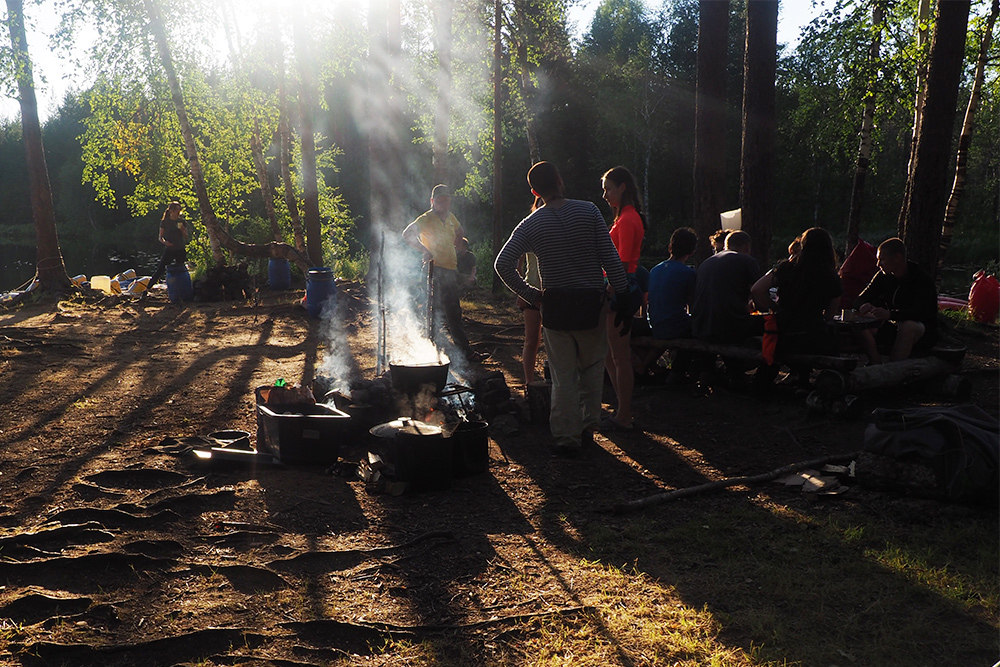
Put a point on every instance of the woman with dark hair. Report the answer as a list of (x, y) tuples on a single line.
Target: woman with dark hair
[(808, 294), (174, 236), (627, 232)]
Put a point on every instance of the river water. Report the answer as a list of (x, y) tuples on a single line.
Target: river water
[(81, 256)]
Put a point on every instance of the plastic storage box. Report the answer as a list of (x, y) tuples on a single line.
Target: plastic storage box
[(302, 434)]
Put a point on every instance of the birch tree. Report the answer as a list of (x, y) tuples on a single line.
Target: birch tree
[(965, 139), (865, 135)]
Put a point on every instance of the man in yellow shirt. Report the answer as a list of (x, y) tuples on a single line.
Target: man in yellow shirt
[(436, 234)]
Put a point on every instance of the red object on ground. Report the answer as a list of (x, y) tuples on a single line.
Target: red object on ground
[(857, 271), (984, 297)]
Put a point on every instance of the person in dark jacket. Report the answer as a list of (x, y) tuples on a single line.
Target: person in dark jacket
[(174, 236), (903, 298)]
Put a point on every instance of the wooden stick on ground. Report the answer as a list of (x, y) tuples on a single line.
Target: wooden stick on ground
[(732, 481)]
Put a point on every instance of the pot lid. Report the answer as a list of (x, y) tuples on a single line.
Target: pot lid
[(406, 426)]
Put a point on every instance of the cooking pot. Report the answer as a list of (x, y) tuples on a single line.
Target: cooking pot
[(470, 447), (404, 428), (409, 379), (417, 453)]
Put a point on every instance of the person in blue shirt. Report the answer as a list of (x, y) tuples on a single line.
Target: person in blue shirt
[(671, 293), (671, 288)]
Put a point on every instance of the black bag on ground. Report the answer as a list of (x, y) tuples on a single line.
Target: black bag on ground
[(958, 448), (572, 309)]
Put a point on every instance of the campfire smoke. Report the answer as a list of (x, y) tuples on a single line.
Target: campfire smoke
[(336, 365)]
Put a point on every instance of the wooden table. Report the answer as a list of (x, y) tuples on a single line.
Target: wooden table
[(858, 323)]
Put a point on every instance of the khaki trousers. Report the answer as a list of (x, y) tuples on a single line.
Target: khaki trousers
[(576, 364)]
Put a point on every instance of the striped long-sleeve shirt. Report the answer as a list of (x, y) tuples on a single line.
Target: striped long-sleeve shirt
[(573, 248)]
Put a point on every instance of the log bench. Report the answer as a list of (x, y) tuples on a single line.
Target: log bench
[(890, 374), (818, 361)]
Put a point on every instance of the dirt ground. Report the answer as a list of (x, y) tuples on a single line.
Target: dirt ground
[(120, 548)]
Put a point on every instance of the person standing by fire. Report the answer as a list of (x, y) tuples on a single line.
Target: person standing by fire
[(574, 250), (436, 234)]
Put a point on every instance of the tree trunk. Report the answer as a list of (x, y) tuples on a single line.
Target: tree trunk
[(398, 171), (497, 138), (190, 149), (50, 271), (310, 188), (924, 205), (709, 122), (923, 18), (285, 134), (865, 143), (442, 114), (757, 166), (962, 155), (265, 188), (380, 128), (528, 94)]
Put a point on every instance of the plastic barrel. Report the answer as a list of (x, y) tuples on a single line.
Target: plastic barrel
[(279, 274), (179, 287), (984, 297), (319, 288)]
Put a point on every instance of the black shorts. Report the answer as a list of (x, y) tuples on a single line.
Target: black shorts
[(886, 336)]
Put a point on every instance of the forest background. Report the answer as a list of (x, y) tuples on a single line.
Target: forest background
[(623, 93)]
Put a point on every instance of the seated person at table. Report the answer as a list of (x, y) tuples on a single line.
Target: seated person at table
[(795, 247), (671, 293), (903, 298), (808, 296), (671, 288), (640, 324), (720, 312), (718, 240)]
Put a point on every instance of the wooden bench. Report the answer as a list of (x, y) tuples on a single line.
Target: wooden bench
[(941, 364), (819, 361)]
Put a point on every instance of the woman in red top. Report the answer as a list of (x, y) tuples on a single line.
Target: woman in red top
[(622, 195)]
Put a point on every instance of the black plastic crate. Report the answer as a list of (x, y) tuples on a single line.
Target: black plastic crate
[(305, 434)]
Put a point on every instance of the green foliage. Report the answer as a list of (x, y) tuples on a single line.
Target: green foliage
[(483, 253), (354, 267), (623, 95)]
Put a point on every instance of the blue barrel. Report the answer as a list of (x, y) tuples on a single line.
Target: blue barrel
[(279, 273), (319, 288), (179, 287)]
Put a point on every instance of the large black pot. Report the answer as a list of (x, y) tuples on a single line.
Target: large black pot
[(412, 379), (416, 452), (470, 448)]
